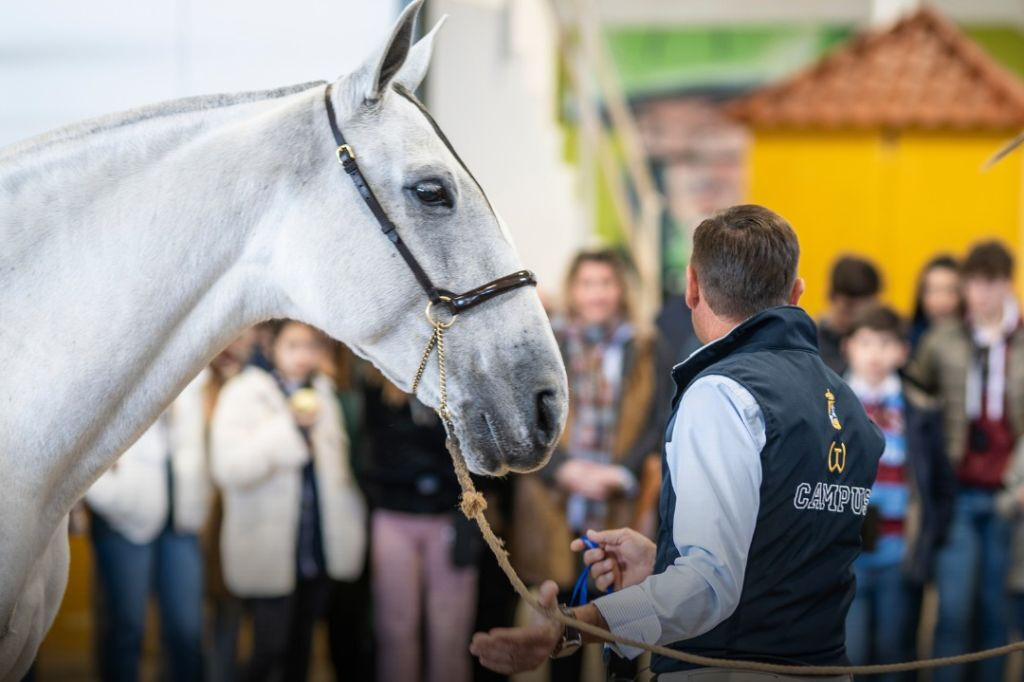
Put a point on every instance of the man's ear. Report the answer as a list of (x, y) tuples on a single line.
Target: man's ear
[(416, 63), (797, 292), (375, 76), (692, 289)]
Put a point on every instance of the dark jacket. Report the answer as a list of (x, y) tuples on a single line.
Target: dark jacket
[(407, 467), (818, 464), (675, 322), (933, 489), (830, 347), (940, 367)]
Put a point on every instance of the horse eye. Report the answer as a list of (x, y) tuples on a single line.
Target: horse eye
[(433, 193)]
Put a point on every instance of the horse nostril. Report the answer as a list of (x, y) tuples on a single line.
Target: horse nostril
[(548, 414)]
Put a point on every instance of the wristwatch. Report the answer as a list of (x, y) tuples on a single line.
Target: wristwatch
[(572, 639)]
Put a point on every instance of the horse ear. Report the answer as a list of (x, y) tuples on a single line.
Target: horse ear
[(415, 68), (378, 73)]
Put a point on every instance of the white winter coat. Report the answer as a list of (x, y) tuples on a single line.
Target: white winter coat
[(257, 455), (132, 495)]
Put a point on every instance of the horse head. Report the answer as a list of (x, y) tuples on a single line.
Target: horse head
[(340, 271)]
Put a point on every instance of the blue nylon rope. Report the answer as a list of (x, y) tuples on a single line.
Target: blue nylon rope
[(580, 594)]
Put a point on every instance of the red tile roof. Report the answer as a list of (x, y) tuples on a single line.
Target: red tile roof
[(922, 73)]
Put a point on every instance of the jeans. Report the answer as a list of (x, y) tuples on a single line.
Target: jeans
[(971, 580), (222, 665), (169, 565), (880, 622), (349, 620), (282, 631), (1018, 613)]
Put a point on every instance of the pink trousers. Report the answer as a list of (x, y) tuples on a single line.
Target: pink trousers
[(414, 582)]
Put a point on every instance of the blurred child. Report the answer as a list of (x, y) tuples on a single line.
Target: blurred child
[(148, 509), (975, 366), (939, 296), (911, 500), (293, 516), (854, 285)]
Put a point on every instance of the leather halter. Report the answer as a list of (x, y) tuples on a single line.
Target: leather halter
[(456, 303)]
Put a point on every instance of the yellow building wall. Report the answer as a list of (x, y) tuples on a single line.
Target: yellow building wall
[(898, 198), (67, 651)]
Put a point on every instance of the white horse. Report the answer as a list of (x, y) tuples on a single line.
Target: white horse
[(134, 247)]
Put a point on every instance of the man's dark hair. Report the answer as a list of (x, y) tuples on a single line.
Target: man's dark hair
[(989, 260), (881, 319), (854, 277), (745, 259)]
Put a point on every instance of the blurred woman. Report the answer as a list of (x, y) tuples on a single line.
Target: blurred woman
[(147, 511), (938, 297), (424, 553), (293, 515), (618, 394)]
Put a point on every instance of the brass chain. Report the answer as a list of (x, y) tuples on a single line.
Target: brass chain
[(426, 356), (436, 340), (442, 377)]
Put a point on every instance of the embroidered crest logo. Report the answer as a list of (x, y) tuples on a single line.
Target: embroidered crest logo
[(830, 399), (836, 457)]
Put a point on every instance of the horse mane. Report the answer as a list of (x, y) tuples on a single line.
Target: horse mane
[(121, 119)]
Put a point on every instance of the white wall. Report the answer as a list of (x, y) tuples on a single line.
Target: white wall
[(65, 60), (492, 89)]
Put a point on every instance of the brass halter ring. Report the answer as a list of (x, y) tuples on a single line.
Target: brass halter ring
[(345, 149), (439, 323)]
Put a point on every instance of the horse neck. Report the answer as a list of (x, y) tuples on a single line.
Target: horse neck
[(145, 267)]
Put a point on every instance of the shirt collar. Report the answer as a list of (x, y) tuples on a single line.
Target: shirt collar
[(890, 386)]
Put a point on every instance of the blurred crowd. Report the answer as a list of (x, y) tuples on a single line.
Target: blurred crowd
[(292, 484)]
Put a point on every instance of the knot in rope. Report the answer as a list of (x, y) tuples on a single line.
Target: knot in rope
[(473, 504)]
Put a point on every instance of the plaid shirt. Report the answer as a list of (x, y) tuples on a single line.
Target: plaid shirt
[(594, 362)]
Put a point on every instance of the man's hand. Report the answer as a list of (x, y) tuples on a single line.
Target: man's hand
[(624, 557), (515, 650)]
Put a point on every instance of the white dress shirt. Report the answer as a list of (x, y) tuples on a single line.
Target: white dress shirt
[(714, 462)]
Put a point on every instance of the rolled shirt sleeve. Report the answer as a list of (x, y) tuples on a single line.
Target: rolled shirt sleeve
[(714, 462)]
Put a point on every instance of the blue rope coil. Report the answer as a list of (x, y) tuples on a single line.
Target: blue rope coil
[(580, 593)]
